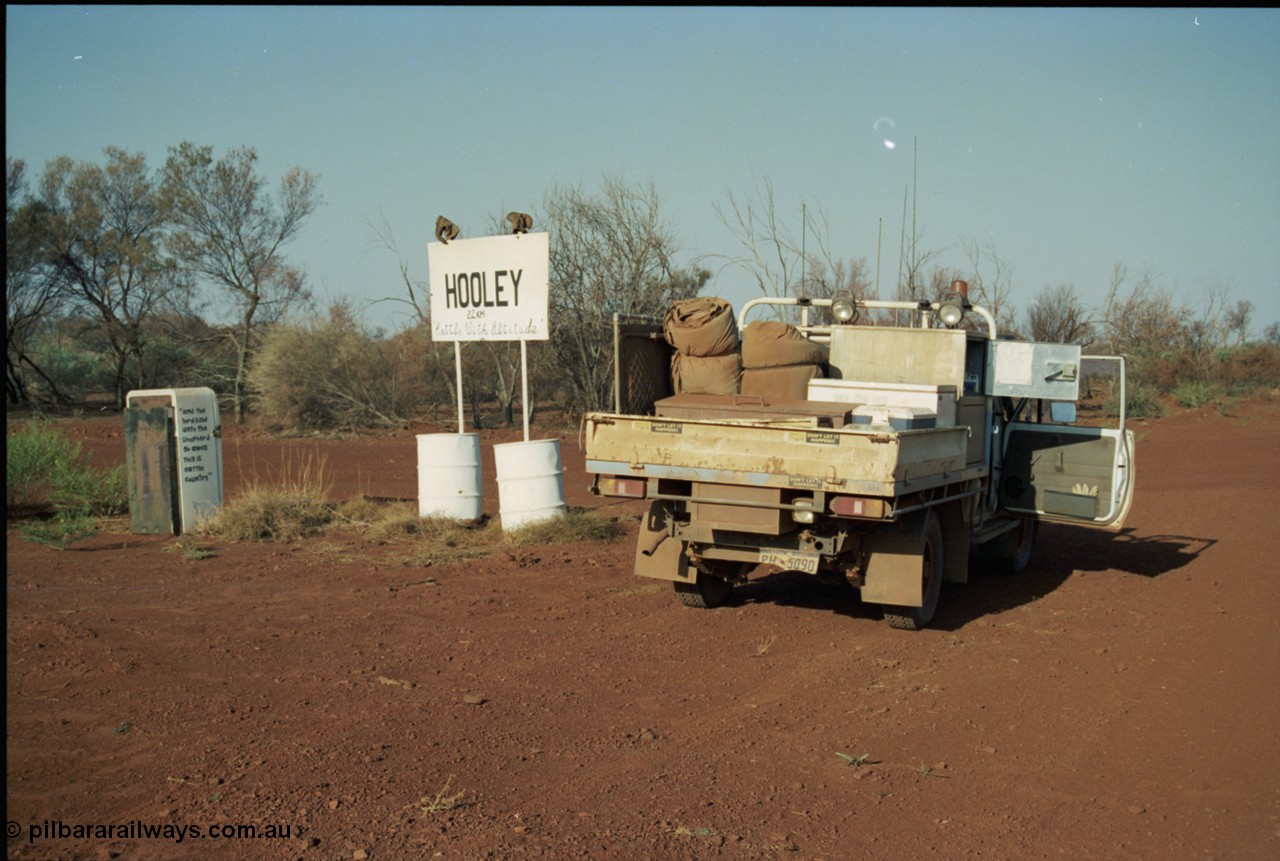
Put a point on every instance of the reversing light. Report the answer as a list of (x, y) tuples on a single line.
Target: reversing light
[(803, 511)]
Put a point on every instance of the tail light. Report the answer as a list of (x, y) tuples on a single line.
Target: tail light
[(614, 486), (857, 506)]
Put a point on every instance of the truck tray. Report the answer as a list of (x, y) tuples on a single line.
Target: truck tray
[(772, 452), (824, 414)]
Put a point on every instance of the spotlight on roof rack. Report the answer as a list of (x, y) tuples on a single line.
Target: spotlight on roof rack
[(843, 308), (951, 308)]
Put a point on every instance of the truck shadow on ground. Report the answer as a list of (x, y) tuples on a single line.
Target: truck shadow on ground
[(1060, 552), (794, 589)]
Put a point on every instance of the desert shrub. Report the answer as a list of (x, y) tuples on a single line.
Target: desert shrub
[(1142, 401), (440, 540), (423, 541), (1196, 394), (1247, 367), (360, 512), (333, 372), (45, 468), (64, 529), (1164, 370), (30, 457), (269, 514)]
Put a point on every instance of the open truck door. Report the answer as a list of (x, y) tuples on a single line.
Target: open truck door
[(1061, 471)]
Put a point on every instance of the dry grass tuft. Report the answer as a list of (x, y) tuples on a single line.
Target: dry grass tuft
[(576, 525), (293, 504), (360, 512), (442, 800), (288, 505)]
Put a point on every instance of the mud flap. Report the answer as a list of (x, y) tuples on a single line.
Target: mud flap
[(657, 554), (894, 560)]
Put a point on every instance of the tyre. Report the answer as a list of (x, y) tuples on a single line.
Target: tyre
[(916, 618), (1021, 558), (706, 592), (1010, 554)]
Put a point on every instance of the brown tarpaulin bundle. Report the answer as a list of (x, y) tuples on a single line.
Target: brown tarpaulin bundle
[(779, 361), (772, 344), (705, 335), (700, 327), (786, 383), (711, 375)]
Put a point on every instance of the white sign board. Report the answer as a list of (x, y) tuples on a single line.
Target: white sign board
[(489, 289)]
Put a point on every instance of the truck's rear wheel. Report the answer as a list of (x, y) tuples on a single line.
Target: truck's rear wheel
[(706, 592), (915, 618)]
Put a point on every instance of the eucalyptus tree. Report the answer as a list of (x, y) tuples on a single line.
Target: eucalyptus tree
[(101, 240), (30, 291)]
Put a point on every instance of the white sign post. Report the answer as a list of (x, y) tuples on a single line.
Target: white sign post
[(490, 289)]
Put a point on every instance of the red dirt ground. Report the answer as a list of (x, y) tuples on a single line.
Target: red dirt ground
[(1120, 700)]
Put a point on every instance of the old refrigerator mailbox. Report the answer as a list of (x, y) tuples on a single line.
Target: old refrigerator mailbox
[(173, 450)]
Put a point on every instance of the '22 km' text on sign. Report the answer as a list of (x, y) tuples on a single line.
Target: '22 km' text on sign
[(489, 289)]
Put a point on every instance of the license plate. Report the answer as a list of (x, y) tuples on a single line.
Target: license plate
[(791, 560)]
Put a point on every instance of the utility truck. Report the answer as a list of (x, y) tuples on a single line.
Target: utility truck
[(927, 447)]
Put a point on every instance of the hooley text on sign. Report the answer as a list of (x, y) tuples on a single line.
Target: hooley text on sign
[(492, 288)]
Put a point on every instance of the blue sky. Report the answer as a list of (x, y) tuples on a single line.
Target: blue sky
[(1068, 140)]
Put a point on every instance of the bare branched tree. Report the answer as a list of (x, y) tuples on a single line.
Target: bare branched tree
[(1159, 333), (1238, 319), (1144, 318), (1058, 315), (783, 261), (824, 279), (611, 253), (231, 231), (991, 284), (771, 254), (1207, 332), (437, 357)]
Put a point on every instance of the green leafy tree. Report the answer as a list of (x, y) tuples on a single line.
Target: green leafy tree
[(103, 232), (31, 292), (231, 231)]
